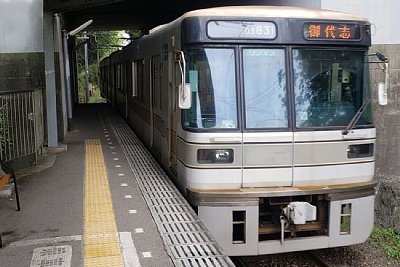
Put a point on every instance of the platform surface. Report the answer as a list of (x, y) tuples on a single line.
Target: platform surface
[(104, 201), (51, 227)]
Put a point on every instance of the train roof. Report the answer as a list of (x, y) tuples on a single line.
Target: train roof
[(273, 12), (266, 12)]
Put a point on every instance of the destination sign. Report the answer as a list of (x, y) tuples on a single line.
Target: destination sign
[(331, 31), (241, 29)]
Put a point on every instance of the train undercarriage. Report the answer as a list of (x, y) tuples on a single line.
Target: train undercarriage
[(254, 221)]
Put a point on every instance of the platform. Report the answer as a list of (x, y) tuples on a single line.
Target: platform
[(104, 202)]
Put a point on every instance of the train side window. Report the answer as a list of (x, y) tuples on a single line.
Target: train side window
[(211, 74), (156, 81), (123, 75), (134, 87), (119, 76), (138, 67)]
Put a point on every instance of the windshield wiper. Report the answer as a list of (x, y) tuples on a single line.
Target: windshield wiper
[(356, 117)]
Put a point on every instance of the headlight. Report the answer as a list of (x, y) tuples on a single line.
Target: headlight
[(360, 151), (210, 156)]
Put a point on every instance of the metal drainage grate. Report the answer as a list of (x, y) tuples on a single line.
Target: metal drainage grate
[(186, 239)]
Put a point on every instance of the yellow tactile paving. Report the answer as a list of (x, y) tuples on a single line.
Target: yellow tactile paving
[(102, 261), (100, 238), (102, 250)]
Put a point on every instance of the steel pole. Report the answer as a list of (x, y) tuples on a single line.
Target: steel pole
[(86, 72), (67, 80)]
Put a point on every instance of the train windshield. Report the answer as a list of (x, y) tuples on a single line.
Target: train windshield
[(330, 86), (211, 74)]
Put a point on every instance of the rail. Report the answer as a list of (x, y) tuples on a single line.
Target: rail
[(21, 124)]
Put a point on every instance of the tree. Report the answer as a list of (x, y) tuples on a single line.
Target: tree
[(133, 34), (100, 45)]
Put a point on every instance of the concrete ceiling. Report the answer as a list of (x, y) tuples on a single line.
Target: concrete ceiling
[(131, 14)]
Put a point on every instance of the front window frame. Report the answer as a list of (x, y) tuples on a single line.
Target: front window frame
[(290, 89), (287, 89), (236, 90), (365, 89)]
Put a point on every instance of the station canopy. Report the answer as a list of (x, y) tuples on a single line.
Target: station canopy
[(129, 14)]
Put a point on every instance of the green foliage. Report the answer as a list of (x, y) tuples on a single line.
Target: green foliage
[(81, 87), (5, 136), (100, 45), (133, 34), (345, 224), (108, 42), (388, 239), (96, 97), (93, 73)]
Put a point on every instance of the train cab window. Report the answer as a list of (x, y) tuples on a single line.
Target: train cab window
[(211, 74), (329, 87), (265, 88)]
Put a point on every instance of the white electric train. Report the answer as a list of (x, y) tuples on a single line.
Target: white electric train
[(262, 117)]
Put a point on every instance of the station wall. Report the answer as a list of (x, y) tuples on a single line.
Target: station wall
[(383, 15), (21, 45), (21, 27)]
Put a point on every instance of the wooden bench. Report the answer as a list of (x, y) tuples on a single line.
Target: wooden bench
[(4, 180)]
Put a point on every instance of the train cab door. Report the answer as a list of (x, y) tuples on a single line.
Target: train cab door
[(174, 78), (267, 136), (267, 159), (157, 119)]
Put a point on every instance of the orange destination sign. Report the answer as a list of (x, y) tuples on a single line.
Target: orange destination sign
[(331, 31)]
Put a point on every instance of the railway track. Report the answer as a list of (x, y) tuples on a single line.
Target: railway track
[(303, 259), (320, 260), (238, 261)]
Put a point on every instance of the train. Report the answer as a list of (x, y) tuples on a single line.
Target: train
[(262, 117)]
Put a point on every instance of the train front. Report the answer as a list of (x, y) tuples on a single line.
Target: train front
[(277, 148)]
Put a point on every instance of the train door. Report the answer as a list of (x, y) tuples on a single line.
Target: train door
[(113, 84), (118, 86), (158, 125), (267, 136), (151, 139), (126, 86), (174, 78)]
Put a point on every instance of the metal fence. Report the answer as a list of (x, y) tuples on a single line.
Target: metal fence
[(21, 124)]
